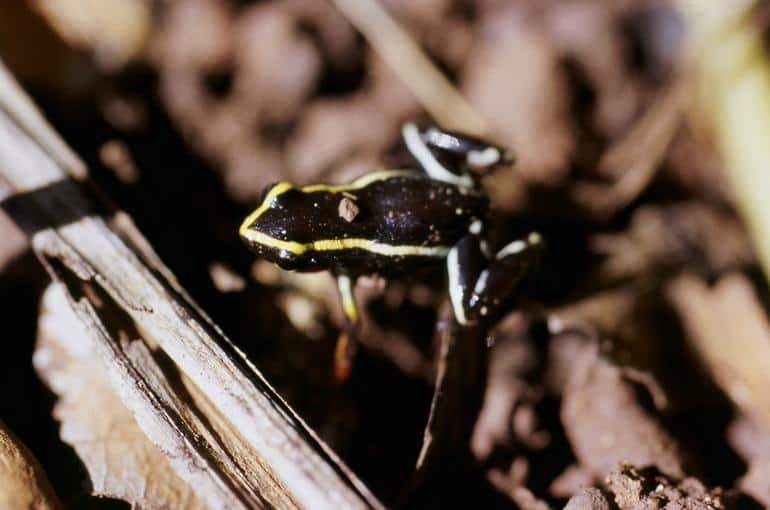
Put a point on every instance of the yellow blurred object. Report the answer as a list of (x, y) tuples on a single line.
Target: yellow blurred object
[(733, 73), (114, 31), (727, 324), (37, 57)]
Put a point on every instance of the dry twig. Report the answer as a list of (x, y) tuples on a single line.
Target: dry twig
[(226, 433)]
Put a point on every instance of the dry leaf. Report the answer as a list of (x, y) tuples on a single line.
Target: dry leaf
[(606, 423), (121, 461), (729, 329)]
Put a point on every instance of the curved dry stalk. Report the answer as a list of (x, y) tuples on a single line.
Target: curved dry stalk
[(431, 88)]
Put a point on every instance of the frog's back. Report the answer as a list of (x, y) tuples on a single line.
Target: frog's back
[(415, 210), (373, 224)]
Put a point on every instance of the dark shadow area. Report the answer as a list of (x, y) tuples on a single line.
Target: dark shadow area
[(26, 404)]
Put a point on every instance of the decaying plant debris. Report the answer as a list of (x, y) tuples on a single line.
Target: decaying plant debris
[(630, 372)]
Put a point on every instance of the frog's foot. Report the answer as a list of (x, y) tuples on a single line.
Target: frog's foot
[(475, 291), (476, 153), (346, 342), (439, 151)]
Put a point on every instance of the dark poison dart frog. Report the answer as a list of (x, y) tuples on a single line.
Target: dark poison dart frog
[(388, 221)]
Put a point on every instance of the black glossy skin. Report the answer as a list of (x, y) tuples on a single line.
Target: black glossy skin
[(406, 211)]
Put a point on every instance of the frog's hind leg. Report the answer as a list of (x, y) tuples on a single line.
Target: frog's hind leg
[(428, 160), (473, 153), (346, 342)]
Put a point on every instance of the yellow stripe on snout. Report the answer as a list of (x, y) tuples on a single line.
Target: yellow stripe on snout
[(279, 189)]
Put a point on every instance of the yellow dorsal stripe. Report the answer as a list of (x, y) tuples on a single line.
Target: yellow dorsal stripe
[(361, 182), (391, 250)]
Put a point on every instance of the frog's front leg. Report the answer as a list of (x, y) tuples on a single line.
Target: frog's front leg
[(477, 285), (346, 342)]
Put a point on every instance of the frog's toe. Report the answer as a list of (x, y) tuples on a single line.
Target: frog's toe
[(343, 356)]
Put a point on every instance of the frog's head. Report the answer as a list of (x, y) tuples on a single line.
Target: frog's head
[(271, 230)]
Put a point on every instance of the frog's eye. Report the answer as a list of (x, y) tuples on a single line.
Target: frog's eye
[(252, 221), (273, 191)]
